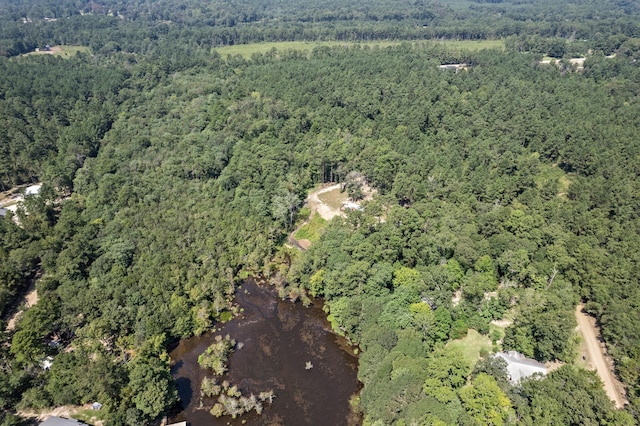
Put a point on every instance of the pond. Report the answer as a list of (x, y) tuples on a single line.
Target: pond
[(278, 339)]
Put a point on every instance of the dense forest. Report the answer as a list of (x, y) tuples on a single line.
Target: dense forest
[(172, 26), (170, 173)]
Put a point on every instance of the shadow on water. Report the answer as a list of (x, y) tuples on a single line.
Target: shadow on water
[(184, 389), (278, 338)]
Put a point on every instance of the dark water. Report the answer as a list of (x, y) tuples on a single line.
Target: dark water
[(279, 338)]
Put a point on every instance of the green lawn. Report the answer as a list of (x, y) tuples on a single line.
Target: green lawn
[(472, 345), (312, 230), (246, 50), (88, 416), (471, 44)]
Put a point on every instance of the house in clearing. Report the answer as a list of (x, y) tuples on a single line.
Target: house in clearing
[(350, 205), (33, 190), (455, 67), (3, 212), (520, 367)]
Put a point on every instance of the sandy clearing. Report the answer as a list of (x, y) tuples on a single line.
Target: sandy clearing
[(326, 212), (553, 365), (316, 206), (304, 243), (504, 323), (9, 196), (597, 358), (456, 298), (65, 411)]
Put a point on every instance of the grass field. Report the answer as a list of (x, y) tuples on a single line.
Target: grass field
[(89, 416), (312, 230), (333, 199), (472, 345), (62, 51), (246, 50), (470, 44)]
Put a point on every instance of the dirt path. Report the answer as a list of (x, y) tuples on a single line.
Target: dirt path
[(597, 359), (29, 299)]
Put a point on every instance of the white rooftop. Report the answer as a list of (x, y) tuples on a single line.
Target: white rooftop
[(350, 205), (33, 190), (519, 366), (60, 421)]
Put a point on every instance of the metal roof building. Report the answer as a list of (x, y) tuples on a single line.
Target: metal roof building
[(60, 421), (519, 366)]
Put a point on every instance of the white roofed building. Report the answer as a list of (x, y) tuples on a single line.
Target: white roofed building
[(33, 190), (519, 366), (61, 421)]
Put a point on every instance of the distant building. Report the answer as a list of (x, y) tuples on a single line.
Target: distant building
[(520, 367), (60, 421), (46, 363), (350, 205), (33, 190), (3, 212), (96, 406), (455, 67)]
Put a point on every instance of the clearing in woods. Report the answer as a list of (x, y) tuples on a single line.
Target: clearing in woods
[(246, 50), (472, 346), (327, 208), (327, 202), (596, 357), (63, 51)]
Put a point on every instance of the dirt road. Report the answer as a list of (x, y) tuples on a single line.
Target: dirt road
[(29, 299), (596, 356)]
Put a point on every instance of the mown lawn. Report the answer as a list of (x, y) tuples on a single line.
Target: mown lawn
[(312, 230), (472, 345), (246, 50), (471, 44)]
